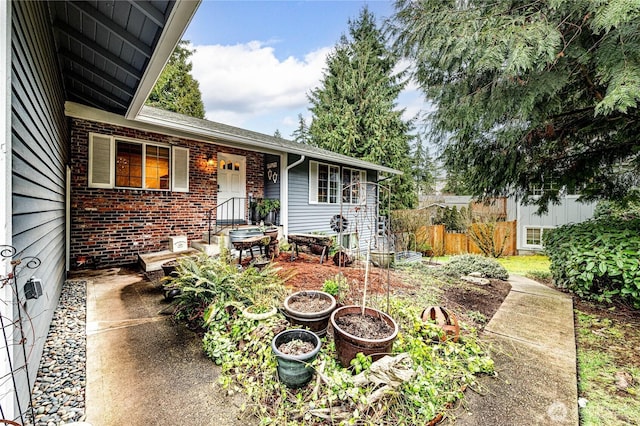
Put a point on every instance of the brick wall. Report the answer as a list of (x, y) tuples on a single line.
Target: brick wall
[(114, 225)]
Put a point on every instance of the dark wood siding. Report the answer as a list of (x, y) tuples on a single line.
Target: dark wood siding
[(39, 159)]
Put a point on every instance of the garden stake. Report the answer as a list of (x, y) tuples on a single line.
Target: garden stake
[(366, 280)]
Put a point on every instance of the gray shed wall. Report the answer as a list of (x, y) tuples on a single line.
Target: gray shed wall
[(39, 157)]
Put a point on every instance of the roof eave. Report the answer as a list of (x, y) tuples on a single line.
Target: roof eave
[(252, 143)]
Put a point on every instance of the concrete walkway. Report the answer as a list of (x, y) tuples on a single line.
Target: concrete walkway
[(534, 349), (142, 368)]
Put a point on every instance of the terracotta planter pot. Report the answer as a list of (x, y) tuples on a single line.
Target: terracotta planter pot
[(348, 345), (314, 321)]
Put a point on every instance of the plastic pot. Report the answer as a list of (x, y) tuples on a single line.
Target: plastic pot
[(169, 267), (314, 321), (348, 345), (294, 370)]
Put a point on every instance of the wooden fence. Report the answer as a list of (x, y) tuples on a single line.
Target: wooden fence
[(448, 243)]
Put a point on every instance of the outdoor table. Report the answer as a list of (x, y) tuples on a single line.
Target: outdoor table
[(308, 240)]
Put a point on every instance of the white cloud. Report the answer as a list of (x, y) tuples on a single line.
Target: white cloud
[(247, 86), (247, 80)]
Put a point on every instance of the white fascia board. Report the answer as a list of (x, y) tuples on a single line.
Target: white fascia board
[(176, 25)]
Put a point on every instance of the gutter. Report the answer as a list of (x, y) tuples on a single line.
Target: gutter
[(284, 203)]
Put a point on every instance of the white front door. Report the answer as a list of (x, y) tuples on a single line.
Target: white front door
[(232, 179)]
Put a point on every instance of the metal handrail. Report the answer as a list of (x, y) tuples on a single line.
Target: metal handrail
[(234, 219)]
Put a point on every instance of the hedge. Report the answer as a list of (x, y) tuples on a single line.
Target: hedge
[(598, 259)]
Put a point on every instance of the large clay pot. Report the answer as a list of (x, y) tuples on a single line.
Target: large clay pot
[(348, 345), (314, 321), (294, 370)]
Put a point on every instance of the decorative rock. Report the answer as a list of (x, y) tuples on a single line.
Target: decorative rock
[(58, 393), (475, 280)]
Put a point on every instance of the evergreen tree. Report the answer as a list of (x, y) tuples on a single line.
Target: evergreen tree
[(528, 92), (176, 90), (424, 171), (277, 134), (354, 110), (301, 134), (456, 183)]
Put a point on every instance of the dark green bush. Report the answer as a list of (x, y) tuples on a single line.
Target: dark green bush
[(468, 263), (597, 259)]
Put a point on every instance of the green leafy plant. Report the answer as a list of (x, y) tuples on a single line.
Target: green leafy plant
[(360, 363), (597, 259), (338, 286), (267, 205), (205, 280), (468, 263)]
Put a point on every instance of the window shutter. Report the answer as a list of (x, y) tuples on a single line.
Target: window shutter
[(313, 182), (101, 161), (180, 169)]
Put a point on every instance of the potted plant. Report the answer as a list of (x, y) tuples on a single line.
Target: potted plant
[(350, 332), (310, 309), (358, 329), (268, 209), (294, 351)]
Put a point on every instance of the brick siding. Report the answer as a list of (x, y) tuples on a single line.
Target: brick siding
[(114, 225)]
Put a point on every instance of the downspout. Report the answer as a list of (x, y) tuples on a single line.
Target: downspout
[(285, 204)]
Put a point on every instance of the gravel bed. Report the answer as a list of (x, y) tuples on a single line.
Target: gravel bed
[(59, 390)]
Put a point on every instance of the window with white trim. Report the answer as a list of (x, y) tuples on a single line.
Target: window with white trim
[(533, 236), (122, 163), (540, 189), (353, 182), (326, 181)]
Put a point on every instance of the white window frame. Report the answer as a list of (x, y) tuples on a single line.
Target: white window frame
[(362, 190), (313, 184), (525, 244), (102, 154)]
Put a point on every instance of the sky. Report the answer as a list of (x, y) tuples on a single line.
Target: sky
[(257, 61)]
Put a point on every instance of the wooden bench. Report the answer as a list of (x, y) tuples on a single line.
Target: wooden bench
[(309, 240)]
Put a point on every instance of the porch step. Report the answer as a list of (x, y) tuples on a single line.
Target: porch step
[(153, 261), (208, 249)]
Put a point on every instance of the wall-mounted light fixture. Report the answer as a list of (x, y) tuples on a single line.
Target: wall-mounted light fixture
[(211, 161)]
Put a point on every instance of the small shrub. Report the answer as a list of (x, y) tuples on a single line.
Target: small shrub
[(338, 286), (467, 263), (597, 259)]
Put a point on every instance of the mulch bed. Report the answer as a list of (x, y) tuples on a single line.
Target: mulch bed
[(483, 299)]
